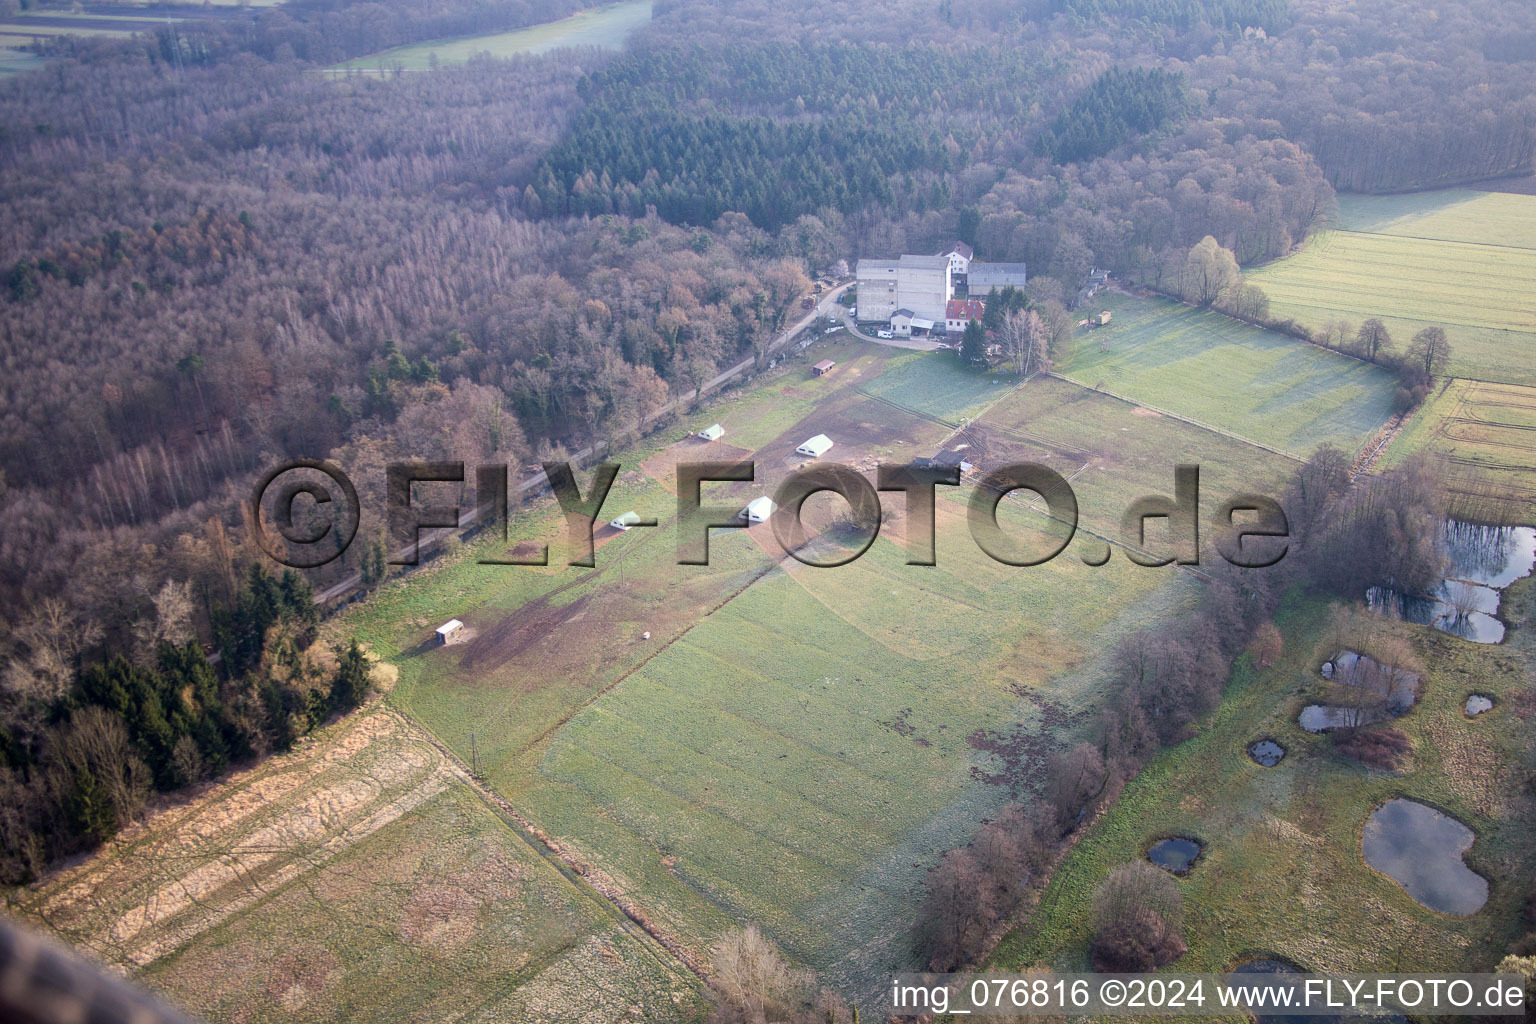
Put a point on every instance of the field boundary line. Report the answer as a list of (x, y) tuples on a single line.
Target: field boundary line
[(1175, 416), (598, 881), (1431, 238), (904, 408), (593, 698), (594, 883)]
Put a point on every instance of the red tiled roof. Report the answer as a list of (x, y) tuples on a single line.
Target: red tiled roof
[(965, 309)]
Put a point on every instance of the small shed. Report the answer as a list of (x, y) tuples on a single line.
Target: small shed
[(946, 459), (449, 631), (816, 447), (1104, 318), (625, 521), (953, 457), (712, 433), (822, 368), (758, 510)]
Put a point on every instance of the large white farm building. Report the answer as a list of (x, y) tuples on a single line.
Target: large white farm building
[(921, 287), (921, 284)]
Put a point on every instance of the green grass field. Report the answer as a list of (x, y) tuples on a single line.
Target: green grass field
[(358, 877), (608, 27), (793, 745), (1486, 434), (1462, 260), (1281, 872), (14, 62), (1235, 377)]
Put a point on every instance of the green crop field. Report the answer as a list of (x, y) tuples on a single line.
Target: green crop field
[(1281, 872), (1236, 377), (1462, 260), (787, 748), (608, 27), (358, 877)]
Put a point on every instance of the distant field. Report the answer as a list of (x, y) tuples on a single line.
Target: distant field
[(1282, 872), (608, 27), (116, 21), (1460, 259), (14, 34), (792, 745), (14, 62), (1487, 435), (359, 878), (1254, 383)]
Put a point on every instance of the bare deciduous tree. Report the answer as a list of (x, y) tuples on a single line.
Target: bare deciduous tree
[(1026, 342)]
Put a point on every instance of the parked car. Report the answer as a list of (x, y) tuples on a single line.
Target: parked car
[(884, 334)]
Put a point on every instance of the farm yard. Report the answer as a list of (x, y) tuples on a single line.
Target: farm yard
[(787, 748), (607, 27), (358, 877), (1235, 377), (1281, 872), (1461, 259)]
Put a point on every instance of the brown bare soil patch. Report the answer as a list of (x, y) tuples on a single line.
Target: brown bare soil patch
[(662, 467), (499, 642)]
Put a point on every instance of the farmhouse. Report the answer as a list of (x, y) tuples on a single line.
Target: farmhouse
[(983, 277), (822, 368), (758, 510), (625, 521), (921, 284), (449, 631), (959, 256), (714, 432), (816, 447), (962, 312), (904, 323)]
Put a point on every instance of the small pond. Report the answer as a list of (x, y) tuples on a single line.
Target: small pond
[(1322, 717), (1266, 752), (1351, 668), (1481, 562), (1175, 854), (1391, 691), (1420, 849), (1477, 704)]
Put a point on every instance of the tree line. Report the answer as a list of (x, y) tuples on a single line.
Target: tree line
[(1207, 275)]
